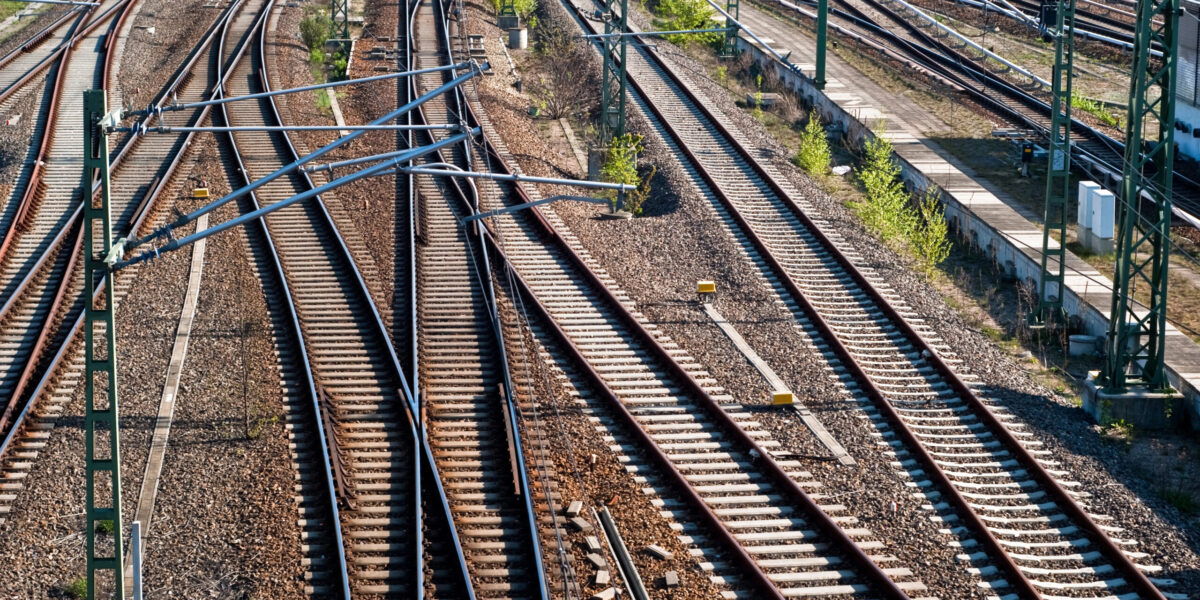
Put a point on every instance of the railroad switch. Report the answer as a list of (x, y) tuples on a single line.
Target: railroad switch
[(706, 290), (783, 398)]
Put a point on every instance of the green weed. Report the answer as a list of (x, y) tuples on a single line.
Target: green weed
[(77, 588), (814, 154)]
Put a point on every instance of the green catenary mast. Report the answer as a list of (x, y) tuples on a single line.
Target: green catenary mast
[(1136, 336), (1058, 173)]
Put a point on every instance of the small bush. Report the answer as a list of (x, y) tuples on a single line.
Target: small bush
[(339, 66), (929, 240), (104, 527), (635, 199), (77, 588), (1094, 108), (814, 155), (316, 57), (886, 208), (721, 75), (315, 29), (757, 110), (620, 165), (678, 15)]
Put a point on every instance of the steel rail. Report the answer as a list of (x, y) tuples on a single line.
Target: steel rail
[(406, 186), (35, 40), (483, 270), (422, 453), (143, 212), (776, 474), (460, 557), (1088, 25), (47, 326), (828, 335), (1095, 148), (292, 317), (182, 75), (1138, 579), (33, 183), (70, 42)]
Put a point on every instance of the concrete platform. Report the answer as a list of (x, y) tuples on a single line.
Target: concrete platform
[(979, 211)]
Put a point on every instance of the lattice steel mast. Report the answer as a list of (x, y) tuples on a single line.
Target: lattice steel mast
[(613, 84), (822, 27), (339, 15), (101, 417), (1058, 172), (1136, 336), (730, 47)]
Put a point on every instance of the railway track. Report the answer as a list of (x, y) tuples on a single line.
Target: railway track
[(35, 281), (981, 474), (306, 405), (464, 381), (744, 511), (384, 473), (1096, 153), (42, 314), (37, 252), (41, 50)]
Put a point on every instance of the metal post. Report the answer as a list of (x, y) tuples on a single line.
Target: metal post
[(612, 91), (135, 540), (102, 433), (822, 25), (730, 48), (1135, 342), (1058, 173)]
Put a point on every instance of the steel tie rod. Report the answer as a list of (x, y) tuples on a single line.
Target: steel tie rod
[(142, 129), (185, 219), (118, 249), (319, 86)]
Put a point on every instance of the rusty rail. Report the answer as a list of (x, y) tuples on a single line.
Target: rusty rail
[(1137, 579), (748, 567)]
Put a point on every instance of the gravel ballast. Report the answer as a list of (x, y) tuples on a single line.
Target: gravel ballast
[(679, 241)]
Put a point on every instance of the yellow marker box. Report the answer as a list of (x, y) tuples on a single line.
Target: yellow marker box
[(706, 287), (200, 192), (782, 399)]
